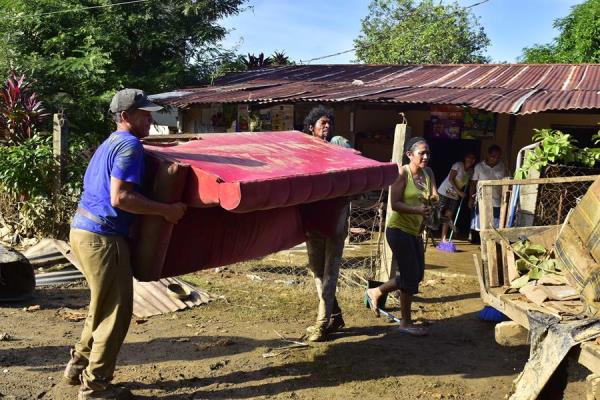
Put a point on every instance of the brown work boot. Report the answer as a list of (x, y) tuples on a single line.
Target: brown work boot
[(335, 324), (111, 392), (316, 333), (74, 368)]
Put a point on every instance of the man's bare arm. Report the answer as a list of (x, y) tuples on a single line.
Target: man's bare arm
[(124, 197)]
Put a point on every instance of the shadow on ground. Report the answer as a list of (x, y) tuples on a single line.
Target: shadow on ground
[(359, 354)]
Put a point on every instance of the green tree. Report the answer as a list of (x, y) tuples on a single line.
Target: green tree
[(78, 56), (229, 61), (577, 42), (257, 62), (279, 58), (414, 32)]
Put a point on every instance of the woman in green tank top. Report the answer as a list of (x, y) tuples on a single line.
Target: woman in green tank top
[(411, 197)]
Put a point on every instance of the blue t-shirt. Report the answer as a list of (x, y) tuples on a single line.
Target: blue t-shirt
[(121, 156)]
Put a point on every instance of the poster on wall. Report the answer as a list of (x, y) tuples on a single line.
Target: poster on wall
[(445, 122), (275, 118), (478, 124), (282, 117)]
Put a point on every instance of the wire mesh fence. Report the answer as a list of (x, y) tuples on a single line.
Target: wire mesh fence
[(366, 232), (555, 200), (364, 244), (362, 250)]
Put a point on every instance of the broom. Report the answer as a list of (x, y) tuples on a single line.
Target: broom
[(449, 246)]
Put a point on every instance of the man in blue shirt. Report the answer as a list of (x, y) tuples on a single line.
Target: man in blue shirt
[(98, 237)]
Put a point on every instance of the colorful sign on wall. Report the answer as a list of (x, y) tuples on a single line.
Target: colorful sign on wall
[(478, 124), (445, 122), (453, 122)]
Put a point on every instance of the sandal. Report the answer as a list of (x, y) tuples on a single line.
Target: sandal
[(371, 304), (413, 330)]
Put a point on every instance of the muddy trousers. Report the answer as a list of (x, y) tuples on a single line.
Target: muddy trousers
[(106, 265), (324, 259)]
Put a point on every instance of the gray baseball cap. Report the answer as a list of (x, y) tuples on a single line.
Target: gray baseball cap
[(132, 99)]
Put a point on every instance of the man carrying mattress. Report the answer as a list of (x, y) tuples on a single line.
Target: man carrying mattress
[(98, 237), (325, 243)]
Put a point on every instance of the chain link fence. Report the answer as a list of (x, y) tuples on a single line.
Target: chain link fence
[(365, 242), (362, 250), (364, 245), (555, 200)]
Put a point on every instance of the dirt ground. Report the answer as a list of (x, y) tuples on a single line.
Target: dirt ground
[(231, 348)]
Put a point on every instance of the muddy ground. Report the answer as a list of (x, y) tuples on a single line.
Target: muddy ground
[(218, 351)]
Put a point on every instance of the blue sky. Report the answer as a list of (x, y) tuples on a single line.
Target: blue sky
[(307, 29)]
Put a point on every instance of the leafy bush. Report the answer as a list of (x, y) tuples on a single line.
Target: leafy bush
[(29, 203), (26, 169), (557, 148)]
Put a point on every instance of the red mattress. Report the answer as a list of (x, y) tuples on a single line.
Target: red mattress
[(250, 194)]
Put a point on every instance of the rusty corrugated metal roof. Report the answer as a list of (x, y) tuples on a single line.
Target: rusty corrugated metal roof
[(503, 88)]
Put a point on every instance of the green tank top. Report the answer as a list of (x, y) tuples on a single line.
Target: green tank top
[(411, 223)]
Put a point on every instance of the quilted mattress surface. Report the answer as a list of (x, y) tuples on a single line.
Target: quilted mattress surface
[(244, 172), (248, 195)]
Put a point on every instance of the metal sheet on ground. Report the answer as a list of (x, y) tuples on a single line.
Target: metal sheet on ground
[(152, 298), (149, 298)]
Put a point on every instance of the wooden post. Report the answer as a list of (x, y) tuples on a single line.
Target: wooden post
[(386, 268), (60, 140), (511, 266), (486, 219), (512, 127), (504, 205), (503, 216)]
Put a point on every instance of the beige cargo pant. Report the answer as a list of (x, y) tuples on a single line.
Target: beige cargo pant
[(106, 265), (324, 259)]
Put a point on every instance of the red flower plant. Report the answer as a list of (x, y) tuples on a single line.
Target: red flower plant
[(20, 110)]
